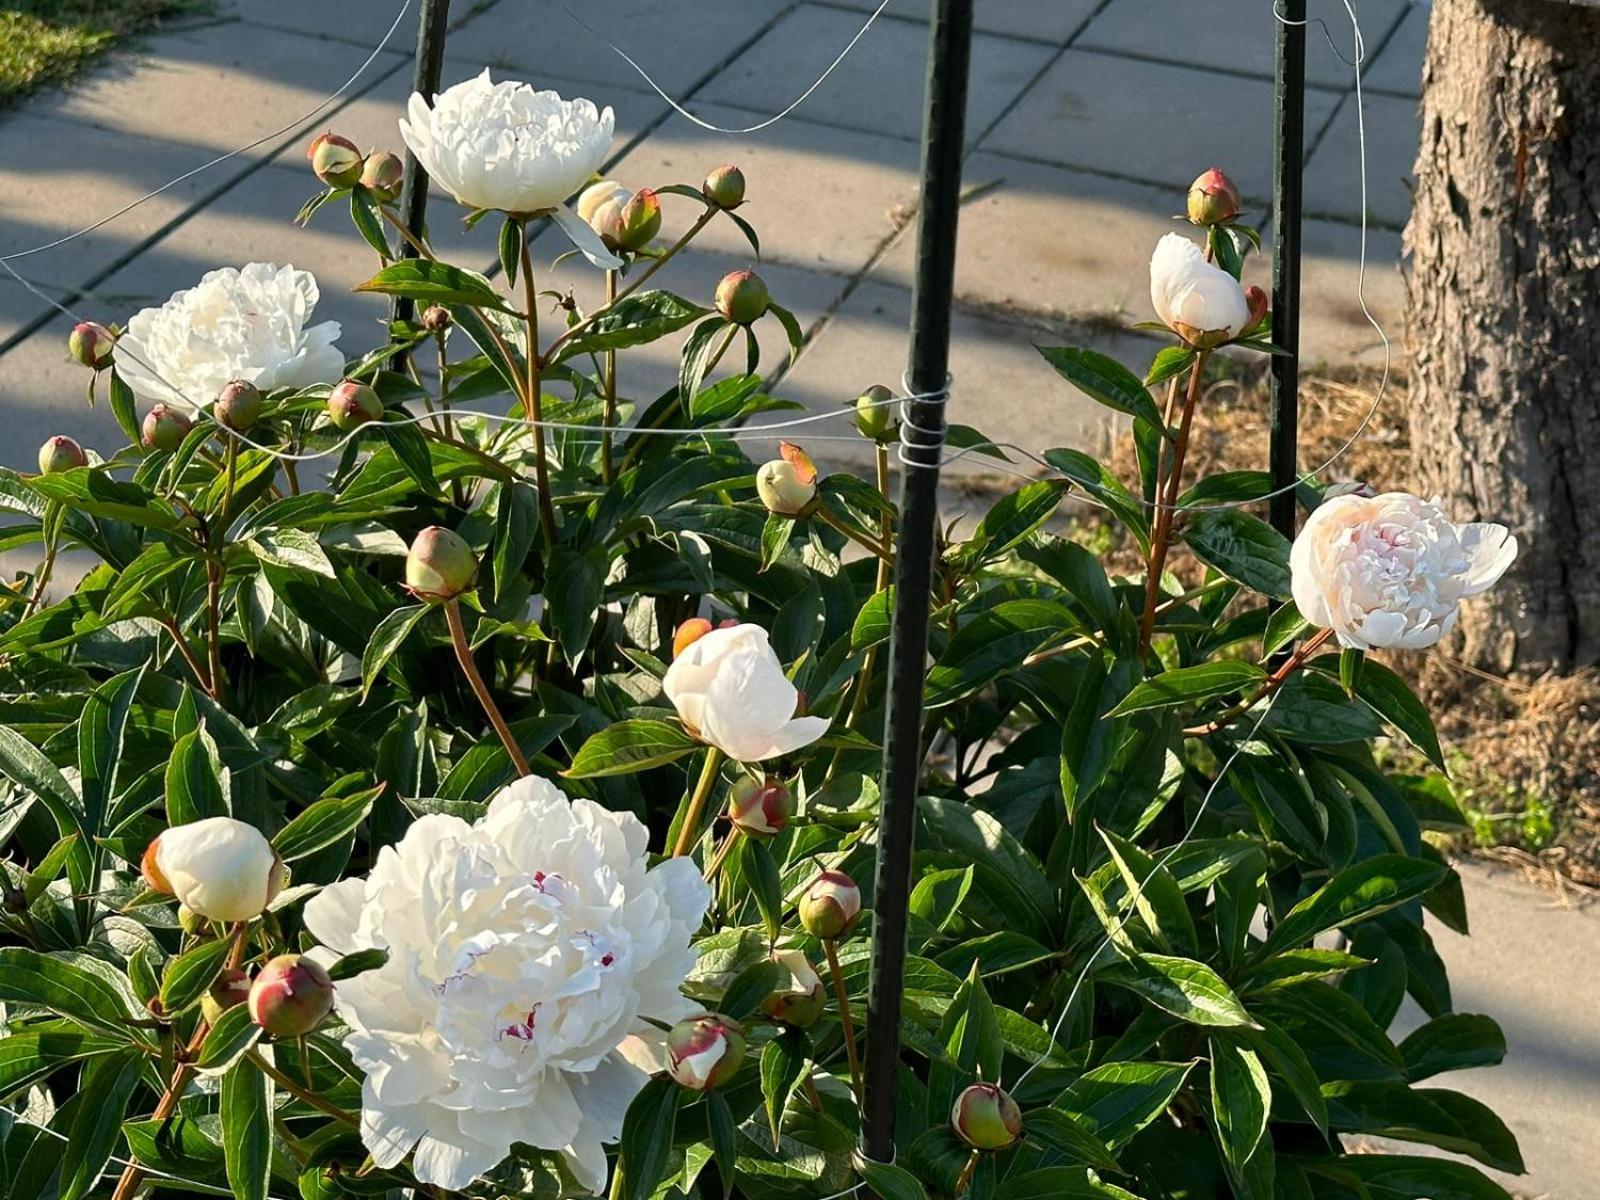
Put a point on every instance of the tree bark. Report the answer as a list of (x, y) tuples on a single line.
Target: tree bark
[(1504, 297)]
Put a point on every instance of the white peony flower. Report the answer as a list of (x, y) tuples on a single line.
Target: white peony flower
[(506, 147), (1391, 570), (730, 690), (525, 953), (223, 869), (245, 323), (1197, 300)]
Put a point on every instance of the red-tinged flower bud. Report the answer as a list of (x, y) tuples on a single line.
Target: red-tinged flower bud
[(1213, 199), (238, 405), (91, 344), (801, 1000), (787, 485), (705, 1052), (165, 428), (724, 187), (61, 453), (875, 413), (742, 297), (231, 989), (383, 174), (436, 318), (986, 1118), (690, 632), (440, 565), (291, 996), (760, 810), (639, 221), (335, 160), (1259, 302), (831, 906), (352, 404)]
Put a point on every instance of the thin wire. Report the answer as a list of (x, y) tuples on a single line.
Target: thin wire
[(1133, 899), (221, 158), (707, 125)]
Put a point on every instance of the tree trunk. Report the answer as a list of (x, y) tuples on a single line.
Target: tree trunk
[(1505, 314)]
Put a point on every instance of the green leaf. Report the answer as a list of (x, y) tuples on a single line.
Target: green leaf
[(100, 731), (1155, 894), (430, 282), (1241, 1098), (124, 407), (357, 962), (775, 535), (1066, 1183), (364, 214), (1103, 379), (1053, 1128), (511, 249), (888, 1181), (646, 1145), (971, 1033), (196, 781), (74, 985), (750, 987), (1169, 361), (758, 871), (997, 640), (102, 1101), (1187, 685), (785, 1062), (1407, 1177), (636, 320), (724, 1130), (1000, 861), (32, 1054), (1105, 487), (1431, 1116), (1452, 1042), (246, 1111), (574, 591), (1283, 626), (1116, 1100), (1286, 1060), (1393, 700), (1185, 988), (871, 627), (1244, 548), (227, 1040), (30, 770), (630, 746), (190, 975), (1356, 893), (386, 641), (295, 549), (324, 823), (1012, 519), (516, 525)]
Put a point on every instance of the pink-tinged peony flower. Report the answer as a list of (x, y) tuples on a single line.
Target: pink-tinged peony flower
[(1391, 571), (533, 956), (730, 690), (1198, 301), (249, 323)]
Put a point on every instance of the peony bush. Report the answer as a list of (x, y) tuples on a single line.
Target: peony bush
[(455, 774)]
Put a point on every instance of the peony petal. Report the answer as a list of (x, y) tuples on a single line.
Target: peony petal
[(1491, 549), (333, 915), (453, 1165)]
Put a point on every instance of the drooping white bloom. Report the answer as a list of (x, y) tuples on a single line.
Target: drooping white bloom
[(525, 952), (1391, 570), (250, 323), (507, 147), (223, 869), (730, 690), (1197, 300)]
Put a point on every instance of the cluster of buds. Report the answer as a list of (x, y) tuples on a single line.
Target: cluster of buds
[(788, 485), (1213, 199), (704, 1053), (92, 345), (800, 1001), (352, 404), (164, 428), (986, 1118), (742, 297), (724, 188), (61, 453), (238, 405), (291, 996), (440, 565), (218, 868), (624, 220), (831, 906), (760, 809)]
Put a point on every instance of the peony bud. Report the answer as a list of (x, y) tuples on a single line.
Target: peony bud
[(238, 405), (690, 632), (624, 220), (788, 485), (1259, 301), (724, 187), (231, 989), (760, 810), (742, 297), (91, 344), (352, 404), (291, 996), (220, 868), (986, 1118), (875, 412), (14, 899), (440, 565), (190, 921), (640, 220), (436, 318), (165, 428), (800, 1001), (705, 1052), (1213, 199), (61, 453), (831, 906), (335, 160), (383, 174)]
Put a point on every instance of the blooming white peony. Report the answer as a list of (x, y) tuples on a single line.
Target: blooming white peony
[(1197, 300), (525, 952), (1391, 570), (507, 147), (245, 323), (223, 869), (730, 690)]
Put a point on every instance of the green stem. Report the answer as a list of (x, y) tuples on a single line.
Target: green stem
[(533, 400), (608, 471), (847, 1023), (1273, 682), (1161, 536), (828, 517), (469, 668), (300, 1093), (688, 832)]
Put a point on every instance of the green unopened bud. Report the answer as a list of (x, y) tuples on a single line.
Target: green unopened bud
[(724, 187), (238, 405), (639, 221), (91, 344), (61, 453), (742, 297), (1213, 199), (335, 160), (801, 1000), (164, 428), (353, 404), (831, 906), (291, 996), (705, 1053), (760, 810), (231, 989), (875, 413), (440, 565), (383, 174), (986, 1118)]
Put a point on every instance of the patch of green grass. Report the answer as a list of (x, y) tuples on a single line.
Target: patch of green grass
[(47, 41)]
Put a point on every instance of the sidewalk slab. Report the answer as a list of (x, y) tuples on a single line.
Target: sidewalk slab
[(360, 21), (1052, 21), (1124, 117), (1333, 173), (879, 87), (1398, 66)]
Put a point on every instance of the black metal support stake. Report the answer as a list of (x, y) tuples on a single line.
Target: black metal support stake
[(1287, 205), (944, 132), (431, 33)]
